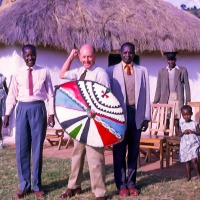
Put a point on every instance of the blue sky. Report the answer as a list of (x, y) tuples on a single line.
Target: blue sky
[(188, 3)]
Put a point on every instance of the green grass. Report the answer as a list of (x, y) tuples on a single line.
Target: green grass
[(56, 172)]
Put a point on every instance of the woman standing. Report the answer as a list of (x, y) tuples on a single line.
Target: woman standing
[(3, 94)]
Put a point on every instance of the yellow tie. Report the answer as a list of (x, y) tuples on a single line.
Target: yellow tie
[(128, 69)]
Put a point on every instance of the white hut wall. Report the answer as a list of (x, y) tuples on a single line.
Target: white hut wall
[(11, 60)]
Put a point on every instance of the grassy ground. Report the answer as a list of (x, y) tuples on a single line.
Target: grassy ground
[(56, 172)]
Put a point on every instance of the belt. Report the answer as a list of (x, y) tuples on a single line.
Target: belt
[(32, 102), (130, 106)]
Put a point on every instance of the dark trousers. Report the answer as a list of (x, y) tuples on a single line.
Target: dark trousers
[(31, 124), (121, 159)]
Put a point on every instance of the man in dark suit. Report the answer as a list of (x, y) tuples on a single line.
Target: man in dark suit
[(171, 83), (130, 84)]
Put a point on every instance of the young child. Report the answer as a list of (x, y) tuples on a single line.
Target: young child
[(189, 132)]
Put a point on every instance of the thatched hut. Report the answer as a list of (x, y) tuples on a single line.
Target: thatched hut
[(153, 25), (57, 26)]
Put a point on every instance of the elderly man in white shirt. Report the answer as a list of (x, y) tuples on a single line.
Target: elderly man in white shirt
[(95, 156)]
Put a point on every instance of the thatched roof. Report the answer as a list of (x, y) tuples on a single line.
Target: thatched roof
[(153, 25)]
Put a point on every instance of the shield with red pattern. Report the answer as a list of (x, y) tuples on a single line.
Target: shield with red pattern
[(89, 113)]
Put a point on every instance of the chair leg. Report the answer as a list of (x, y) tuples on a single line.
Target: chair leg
[(171, 156), (198, 158), (60, 143), (148, 155), (167, 154), (161, 154), (139, 160), (50, 142), (68, 142)]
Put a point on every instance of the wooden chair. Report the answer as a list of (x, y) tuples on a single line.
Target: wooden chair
[(55, 137), (196, 110), (154, 141), (173, 143)]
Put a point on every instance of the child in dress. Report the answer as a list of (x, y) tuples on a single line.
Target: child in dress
[(190, 141)]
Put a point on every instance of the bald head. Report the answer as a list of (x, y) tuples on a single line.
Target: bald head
[(87, 55), (88, 47)]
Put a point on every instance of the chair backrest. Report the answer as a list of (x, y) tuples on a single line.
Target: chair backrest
[(196, 110), (160, 113)]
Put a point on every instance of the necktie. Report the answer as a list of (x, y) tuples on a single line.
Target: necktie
[(128, 69), (30, 81), (82, 77)]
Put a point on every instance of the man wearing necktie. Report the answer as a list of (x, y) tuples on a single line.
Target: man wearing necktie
[(30, 87), (130, 84), (95, 155)]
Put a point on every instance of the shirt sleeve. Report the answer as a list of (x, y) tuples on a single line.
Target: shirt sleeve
[(148, 104), (50, 93), (11, 99), (158, 88), (71, 74)]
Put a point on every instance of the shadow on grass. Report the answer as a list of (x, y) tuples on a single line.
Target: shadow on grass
[(55, 185), (148, 178), (59, 184), (144, 179)]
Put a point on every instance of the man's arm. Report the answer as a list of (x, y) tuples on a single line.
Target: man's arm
[(145, 123), (67, 64), (11, 100), (158, 89), (148, 104), (187, 87), (49, 89), (5, 86), (6, 121)]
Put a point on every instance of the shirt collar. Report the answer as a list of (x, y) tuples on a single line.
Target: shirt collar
[(124, 65), (176, 67), (33, 67), (91, 68)]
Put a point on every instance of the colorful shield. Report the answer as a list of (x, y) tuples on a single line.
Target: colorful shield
[(89, 113)]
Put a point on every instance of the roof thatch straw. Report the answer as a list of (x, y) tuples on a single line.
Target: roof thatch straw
[(153, 25)]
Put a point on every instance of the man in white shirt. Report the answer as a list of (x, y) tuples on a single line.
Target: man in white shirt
[(30, 86), (95, 155)]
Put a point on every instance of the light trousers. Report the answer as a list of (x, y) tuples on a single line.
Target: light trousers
[(96, 163)]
